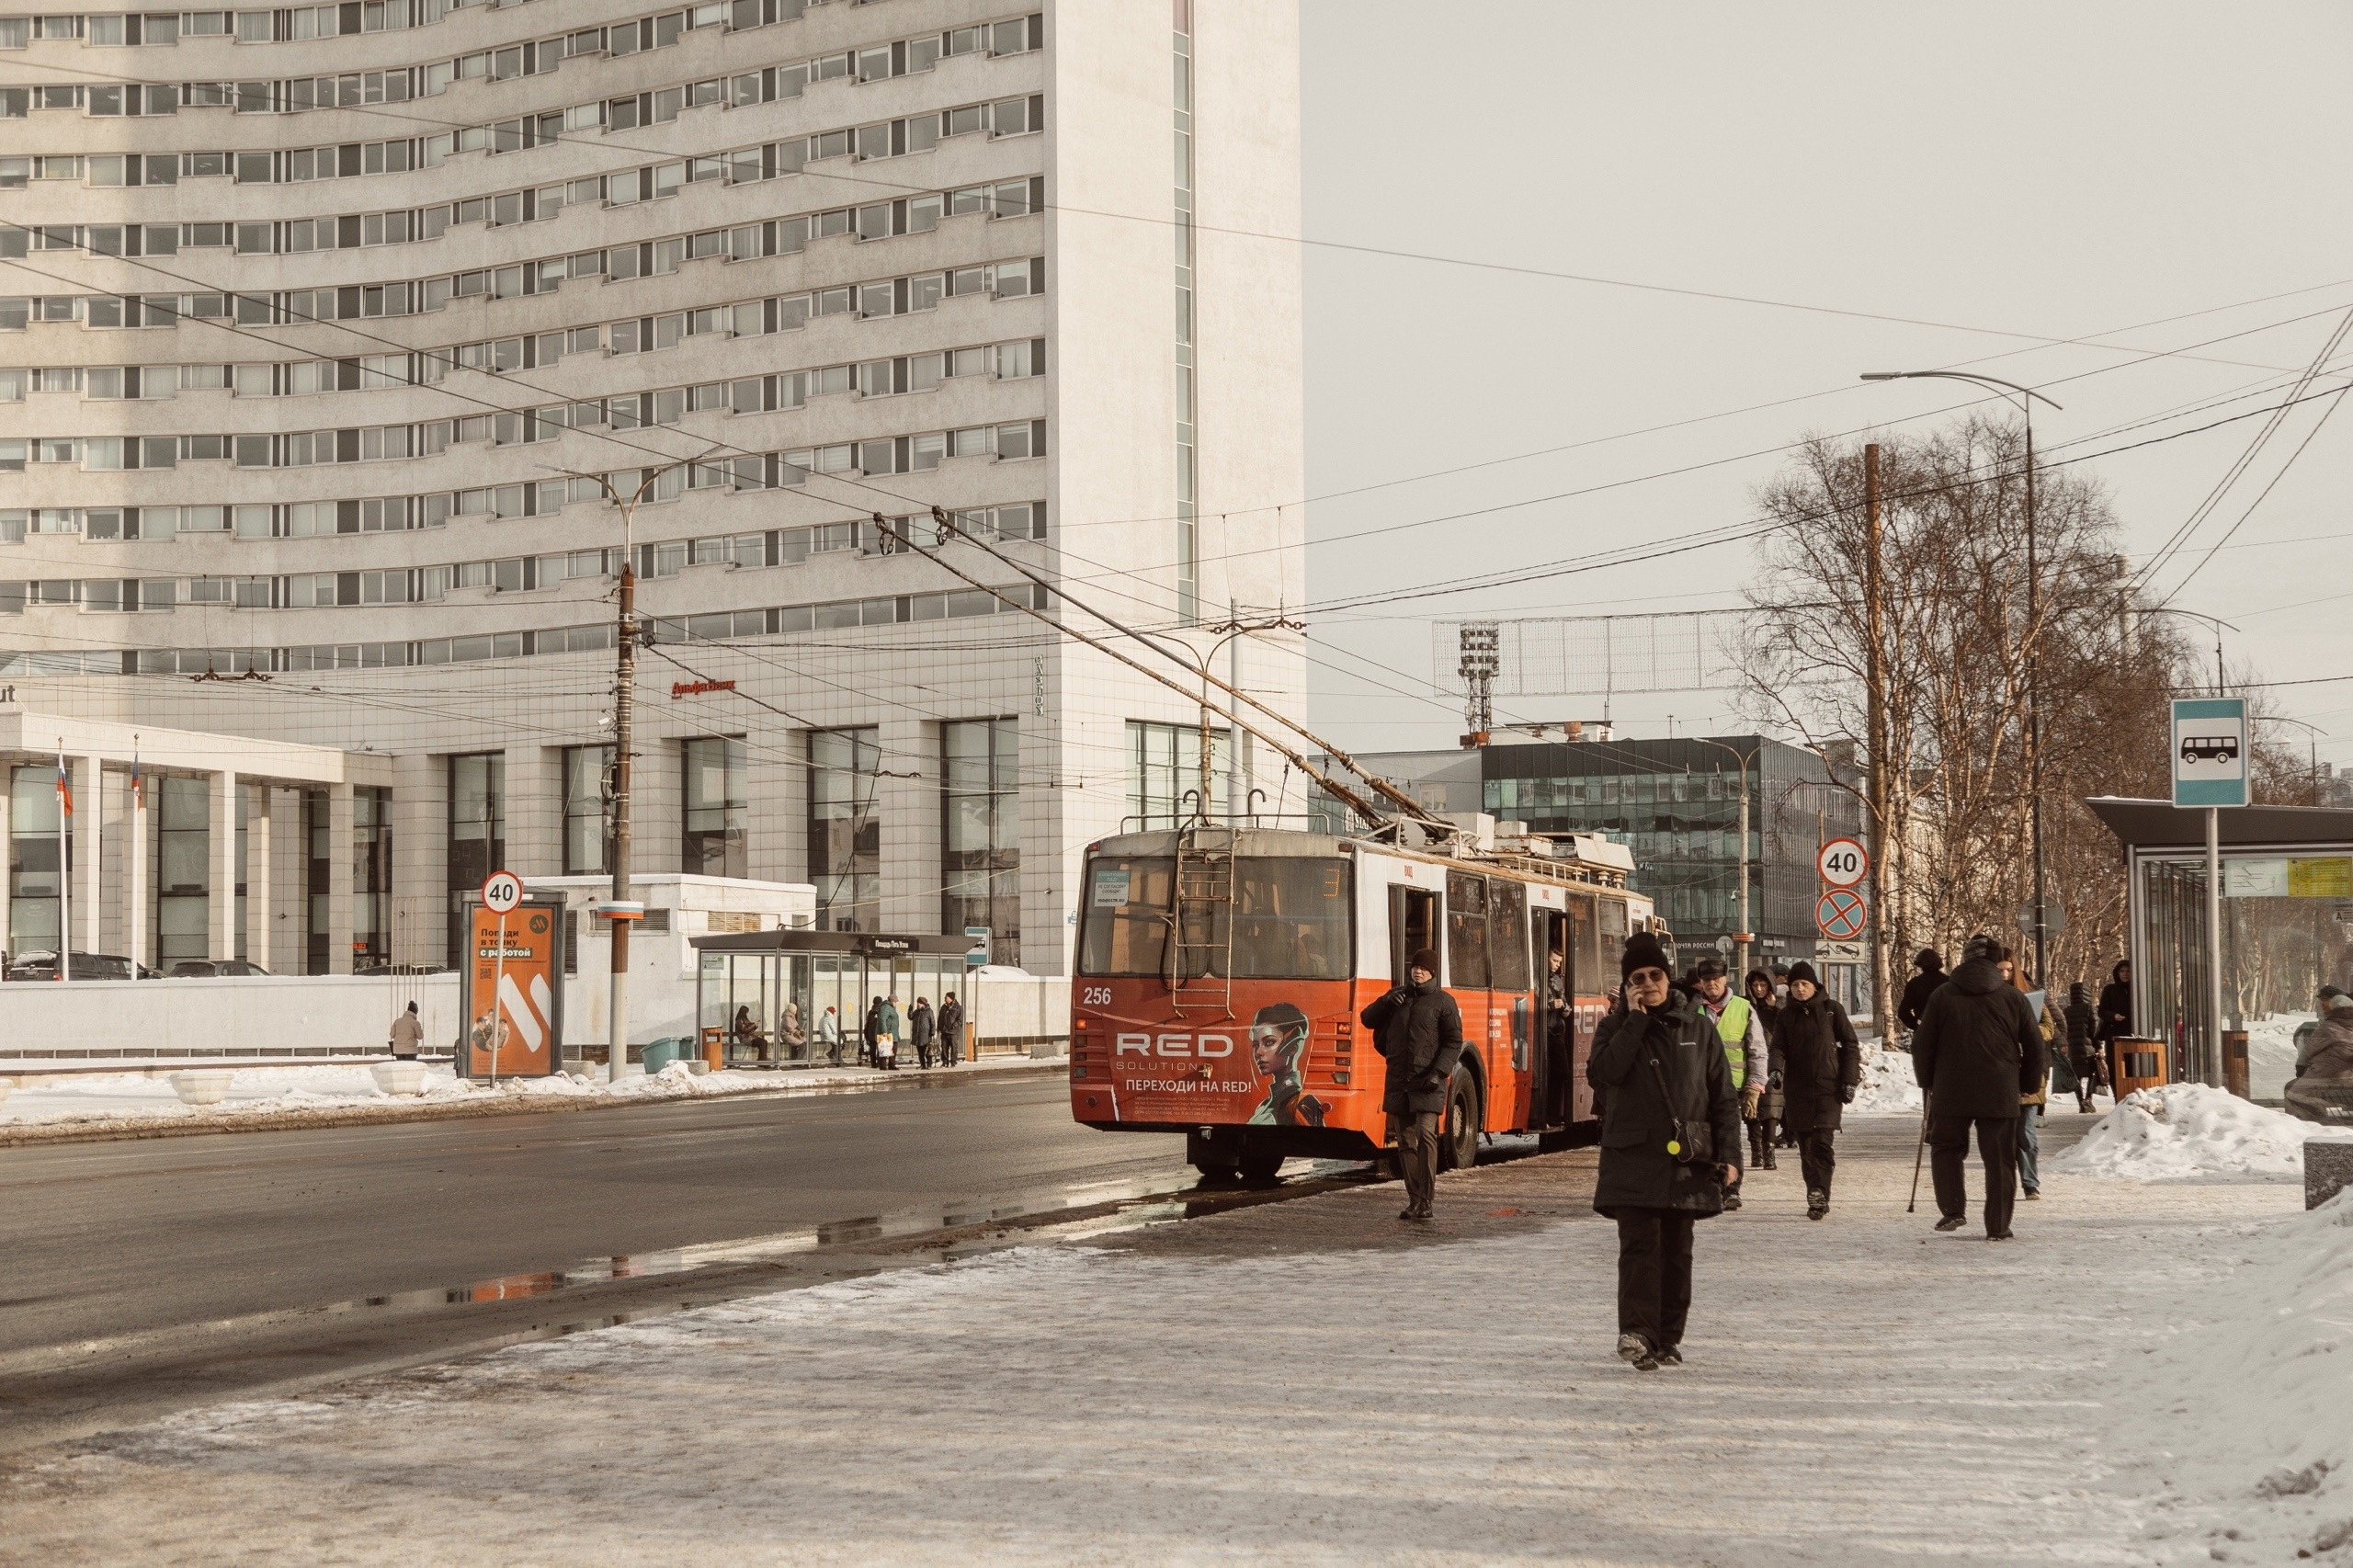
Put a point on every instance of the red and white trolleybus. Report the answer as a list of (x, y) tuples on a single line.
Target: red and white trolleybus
[(1220, 973)]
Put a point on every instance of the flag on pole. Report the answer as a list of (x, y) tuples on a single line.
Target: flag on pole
[(64, 787), (138, 786)]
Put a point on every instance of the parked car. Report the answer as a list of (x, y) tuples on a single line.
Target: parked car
[(211, 968), (41, 964)]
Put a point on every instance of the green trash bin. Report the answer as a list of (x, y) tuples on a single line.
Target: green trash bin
[(660, 1054)]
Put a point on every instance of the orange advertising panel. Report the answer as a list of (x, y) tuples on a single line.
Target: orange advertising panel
[(515, 993)]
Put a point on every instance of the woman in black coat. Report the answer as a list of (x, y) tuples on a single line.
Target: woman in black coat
[(1818, 1062), (1667, 1110)]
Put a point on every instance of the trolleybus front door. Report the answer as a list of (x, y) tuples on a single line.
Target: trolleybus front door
[(1412, 926), (1548, 1098)]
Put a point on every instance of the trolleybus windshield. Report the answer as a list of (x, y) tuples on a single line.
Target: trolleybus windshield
[(1292, 918)]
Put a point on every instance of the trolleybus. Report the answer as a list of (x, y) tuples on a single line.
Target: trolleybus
[(1221, 971)]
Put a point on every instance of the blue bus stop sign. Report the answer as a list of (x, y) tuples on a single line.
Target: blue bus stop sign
[(2210, 747)]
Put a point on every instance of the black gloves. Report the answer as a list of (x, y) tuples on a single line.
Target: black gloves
[(1846, 1094)]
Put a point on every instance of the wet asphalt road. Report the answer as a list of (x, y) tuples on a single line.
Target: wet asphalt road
[(139, 1278)]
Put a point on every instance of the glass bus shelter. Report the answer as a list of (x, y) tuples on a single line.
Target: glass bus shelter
[(2287, 925), (762, 996)]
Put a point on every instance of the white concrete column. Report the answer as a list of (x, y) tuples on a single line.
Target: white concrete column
[(535, 811), (89, 851), (132, 885), (657, 802), (260, 853), (776, 814), (420, 858), (339, 830), (221, 913)]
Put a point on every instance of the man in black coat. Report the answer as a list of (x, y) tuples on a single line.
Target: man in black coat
[(2116, 1015), (922, 1028), (952, 1030), (1921, 986), (1418, 1030), (1818, 1061), (1668, 1117), (1979, 1052)]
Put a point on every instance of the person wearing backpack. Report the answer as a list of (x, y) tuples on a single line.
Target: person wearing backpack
[(1669, 1119)]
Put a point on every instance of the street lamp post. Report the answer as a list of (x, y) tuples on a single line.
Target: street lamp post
[(1747, 932), (2214, 622), (2026, 396), (2312, 733)]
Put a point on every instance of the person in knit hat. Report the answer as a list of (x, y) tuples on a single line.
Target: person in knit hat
[(1819, 1062), (1418, 1031), (1669, 1120)]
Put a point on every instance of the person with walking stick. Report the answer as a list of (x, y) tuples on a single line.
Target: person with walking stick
[(1977, 1052)]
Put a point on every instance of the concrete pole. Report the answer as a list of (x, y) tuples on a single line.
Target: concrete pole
[(260, 865), (624, 690), (220, 914)]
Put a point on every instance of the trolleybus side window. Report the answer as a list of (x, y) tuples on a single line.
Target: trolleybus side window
[(1613, 940), (1466, 931), (1125, 924), (1295, 918), (1507, 927), (1586, 976)]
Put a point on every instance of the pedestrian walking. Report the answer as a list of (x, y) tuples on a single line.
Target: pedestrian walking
[(923, 1029), (870, 1034), (952, 1030), (408, 1034), (829, 1035), (1976, 1056), (1930, 965), (1816, 1056), (1767, 1008), (1742, 1034), (2083, 1046), (1560, 1034), (2030, 1104), (1664, 1076), (886, 1033), (1418, 1031), (2116, 1016)]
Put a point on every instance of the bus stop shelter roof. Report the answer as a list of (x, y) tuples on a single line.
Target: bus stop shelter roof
[(802, 939), (2160, 825)]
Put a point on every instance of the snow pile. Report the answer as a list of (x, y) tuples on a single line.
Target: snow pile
[(2187, 1131), (2271, 1052), (2256, 1395), (1887, 1083)]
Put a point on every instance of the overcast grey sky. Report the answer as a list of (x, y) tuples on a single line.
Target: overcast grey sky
[(2019, 173)]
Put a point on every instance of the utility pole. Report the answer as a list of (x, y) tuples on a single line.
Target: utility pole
[(2034, 718), (1875, 721)]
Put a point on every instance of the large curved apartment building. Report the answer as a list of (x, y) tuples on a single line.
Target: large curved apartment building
[(325, 331)]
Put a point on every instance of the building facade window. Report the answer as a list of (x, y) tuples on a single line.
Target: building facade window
[(844, 838), (981, 832), (588, 832), (182, 870), (34, 882), (717, 796), (477, 833), (1164, 775), (371, 879)]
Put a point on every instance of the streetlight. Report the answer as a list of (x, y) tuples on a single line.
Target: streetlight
[(2312, 733), (2214, 622), (620, 910), (1746, 758), (2026, 396)]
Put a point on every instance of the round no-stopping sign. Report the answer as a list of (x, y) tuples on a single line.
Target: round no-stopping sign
[(502, 893), (1840, 914), (1843, 862)]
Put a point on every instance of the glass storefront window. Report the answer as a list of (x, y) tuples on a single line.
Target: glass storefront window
[(587, 842), (981, 832), (844, 839), (717, 795), (477, 831), (33, 880)]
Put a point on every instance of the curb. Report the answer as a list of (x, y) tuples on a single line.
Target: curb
[(36, 1134)]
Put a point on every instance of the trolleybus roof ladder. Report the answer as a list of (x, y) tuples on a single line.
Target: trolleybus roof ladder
[(1201, 945)]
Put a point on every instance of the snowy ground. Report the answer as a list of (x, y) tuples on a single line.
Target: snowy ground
[(2187, 1131), (2150, 1367), (298, 1093)]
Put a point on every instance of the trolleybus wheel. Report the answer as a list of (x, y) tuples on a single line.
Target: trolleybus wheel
[(1259, 1165), (1459, 1145)]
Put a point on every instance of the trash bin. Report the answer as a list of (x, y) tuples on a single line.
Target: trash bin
[(2140, 1065), (660, 1054), (2234, 1062)]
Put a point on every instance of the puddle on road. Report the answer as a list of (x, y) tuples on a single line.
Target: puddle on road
[(1127, 1205)]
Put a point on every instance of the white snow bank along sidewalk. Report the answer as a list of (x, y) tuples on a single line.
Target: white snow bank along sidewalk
[(2253, 1405), (2190, 1133), (265, 1093)]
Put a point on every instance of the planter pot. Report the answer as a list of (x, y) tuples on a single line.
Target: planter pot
[(206, 1086), (399, 1077)]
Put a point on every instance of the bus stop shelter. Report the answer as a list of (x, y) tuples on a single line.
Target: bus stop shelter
[(782, 983), (2287, 924)]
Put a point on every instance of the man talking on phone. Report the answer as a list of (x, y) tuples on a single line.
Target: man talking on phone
[(1669, 1118)]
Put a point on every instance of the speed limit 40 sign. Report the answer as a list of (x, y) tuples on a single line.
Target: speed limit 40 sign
[(1842, 863), (502, 893)]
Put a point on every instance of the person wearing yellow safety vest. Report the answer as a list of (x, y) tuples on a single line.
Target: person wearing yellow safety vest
[(1743, 1033)]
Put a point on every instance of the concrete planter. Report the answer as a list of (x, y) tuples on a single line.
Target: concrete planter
[(6, 1088), (205, 1087), (398, 1077)]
